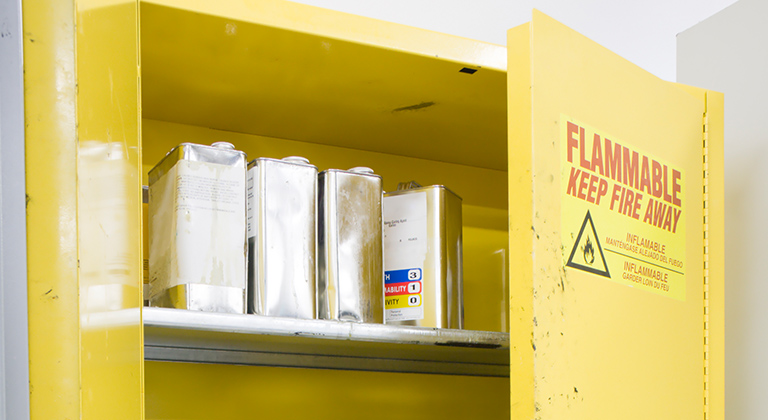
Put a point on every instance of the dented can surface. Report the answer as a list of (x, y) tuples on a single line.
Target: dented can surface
[(282, 226), (423, 257), (350, 271), (197, 242)]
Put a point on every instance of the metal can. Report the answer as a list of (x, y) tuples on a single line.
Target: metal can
[(423, 257), (349, 282), (145, 241), (282, 226), (197, 242)]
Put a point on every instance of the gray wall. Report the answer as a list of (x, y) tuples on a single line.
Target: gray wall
[(14, 359), (729, 53)]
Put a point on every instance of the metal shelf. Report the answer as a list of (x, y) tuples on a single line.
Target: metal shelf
[(200, 337)]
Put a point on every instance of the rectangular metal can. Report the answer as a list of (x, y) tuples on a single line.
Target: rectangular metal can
[(282, 239), (350, 273), (145, 241), (197, 242), (423, 258)]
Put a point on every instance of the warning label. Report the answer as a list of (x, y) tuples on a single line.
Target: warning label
[(405, 250), (623, 212), (587, 250), (402, 294)]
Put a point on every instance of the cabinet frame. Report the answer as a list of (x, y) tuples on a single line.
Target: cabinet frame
[(83, 114)]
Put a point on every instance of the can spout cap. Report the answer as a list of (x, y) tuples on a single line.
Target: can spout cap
[(408, 185), (361, 170), (223, 145), (296, 159)]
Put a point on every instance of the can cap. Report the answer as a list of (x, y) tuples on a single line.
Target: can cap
[(224, 145), (361, 170), (296, 159), (408, 185)]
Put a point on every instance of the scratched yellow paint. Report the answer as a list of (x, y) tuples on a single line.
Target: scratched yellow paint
[(521, 233), (82, 159), (583, 346), (51, 184)]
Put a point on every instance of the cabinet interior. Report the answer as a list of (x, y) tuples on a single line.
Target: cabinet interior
[(294, 80)]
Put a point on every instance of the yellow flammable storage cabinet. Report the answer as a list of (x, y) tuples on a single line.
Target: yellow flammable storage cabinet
[(593, 215)]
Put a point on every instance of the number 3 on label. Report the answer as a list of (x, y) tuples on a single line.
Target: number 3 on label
[(414, 274)]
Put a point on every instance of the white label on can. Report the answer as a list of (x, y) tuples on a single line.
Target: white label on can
[(405, 250), (251, 201), (197, 214)]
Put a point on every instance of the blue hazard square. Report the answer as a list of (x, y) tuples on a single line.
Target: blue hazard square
[(402, 276)]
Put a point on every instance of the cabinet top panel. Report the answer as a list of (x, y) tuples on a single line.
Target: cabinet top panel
[(287, 70)]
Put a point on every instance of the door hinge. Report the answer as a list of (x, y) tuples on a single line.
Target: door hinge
[(705, 251)]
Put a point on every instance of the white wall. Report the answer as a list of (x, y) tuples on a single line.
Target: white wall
[(729, 53), (643, 32)]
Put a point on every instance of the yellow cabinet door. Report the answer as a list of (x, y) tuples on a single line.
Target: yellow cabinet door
[(82, 145), (606, 233)]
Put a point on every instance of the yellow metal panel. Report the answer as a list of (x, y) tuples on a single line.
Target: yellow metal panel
[(714, 314), (296, 17), (286, 70), (600, 349), (486, 279), (82, 116), (109, 212), (51, 153), (521, 231), (716, 255), (221, 392)]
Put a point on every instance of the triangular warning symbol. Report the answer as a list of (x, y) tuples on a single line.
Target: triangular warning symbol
[(587, 254)]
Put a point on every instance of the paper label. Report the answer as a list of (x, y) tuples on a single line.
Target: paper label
[(405, 249), (197, 216), (251, 200)]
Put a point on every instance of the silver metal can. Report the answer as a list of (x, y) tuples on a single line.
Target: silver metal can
[(197, 243), (145, 241), (423, 257), (349, 282), (282, 226)]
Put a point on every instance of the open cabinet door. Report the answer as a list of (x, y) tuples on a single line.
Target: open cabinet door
[(606, 234)]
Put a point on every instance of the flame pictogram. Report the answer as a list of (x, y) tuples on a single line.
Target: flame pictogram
[(587, 246), (589, 252)]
